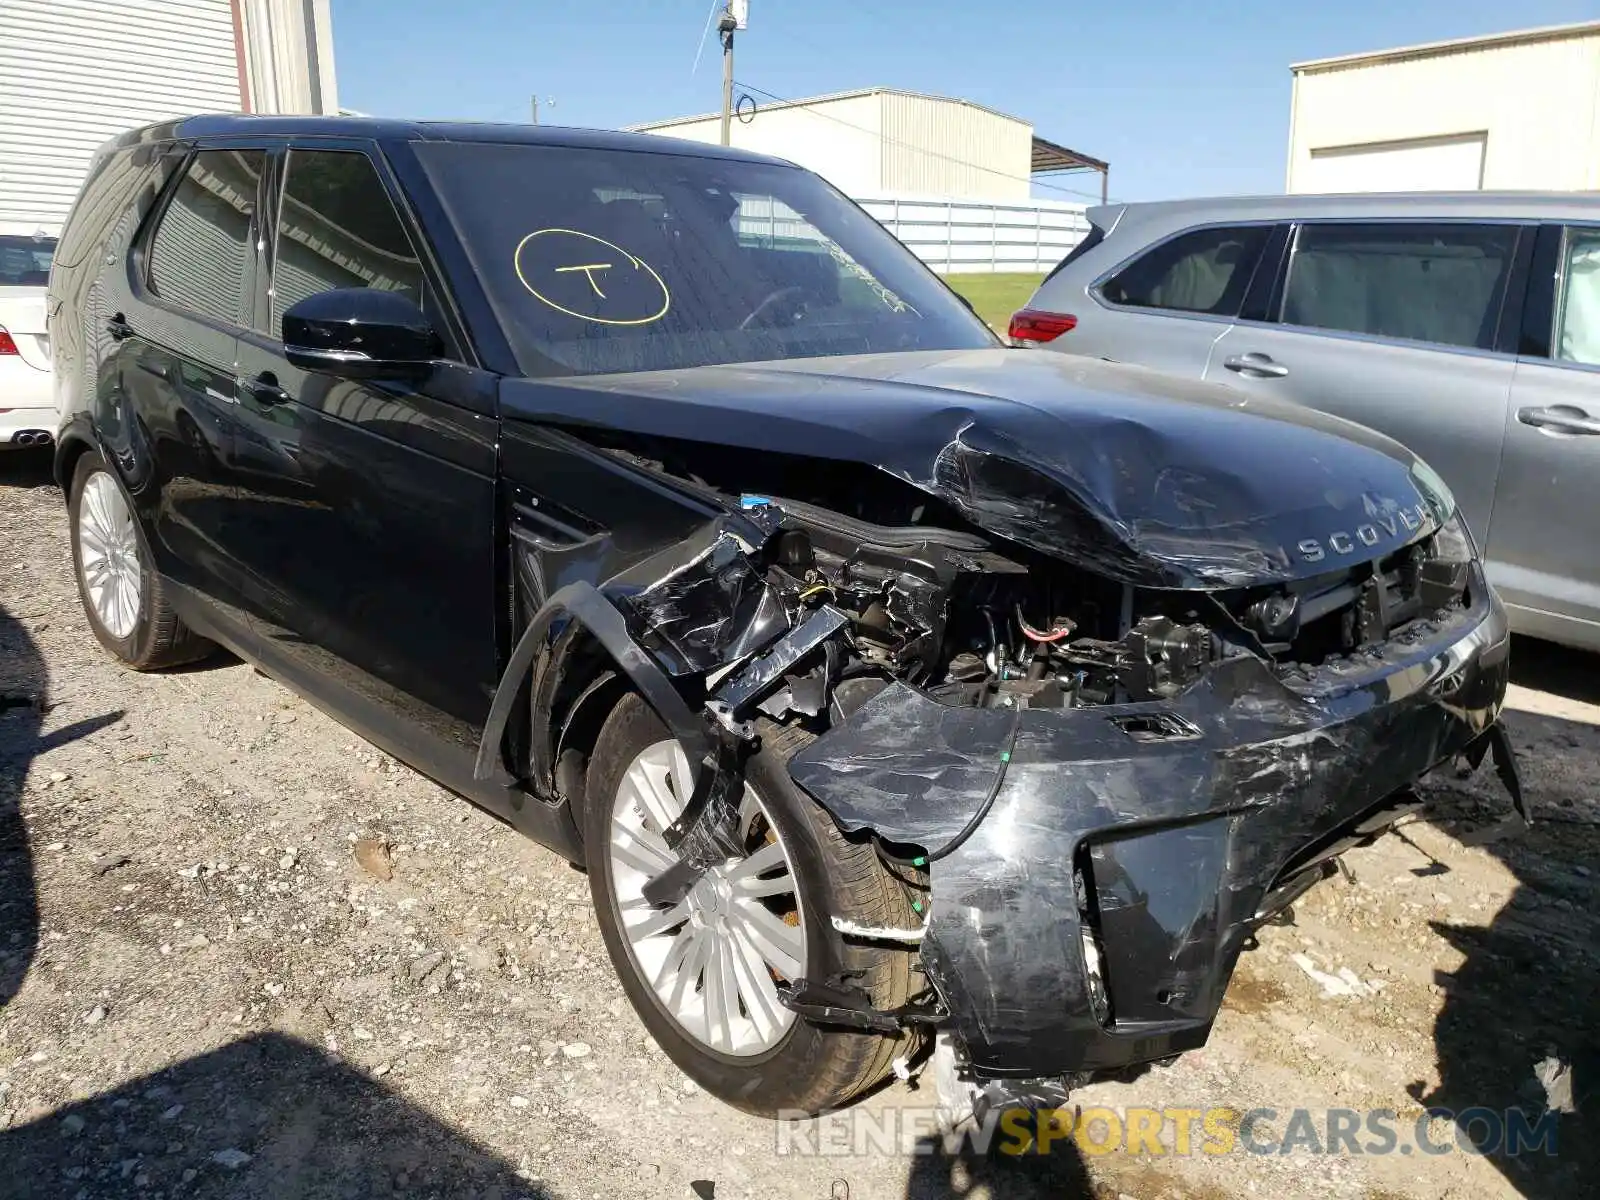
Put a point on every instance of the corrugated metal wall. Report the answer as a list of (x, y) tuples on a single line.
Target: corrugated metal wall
[(942, 147), (75, 72), (1536, 103)]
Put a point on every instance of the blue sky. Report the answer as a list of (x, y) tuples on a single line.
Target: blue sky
[(1181, 98)]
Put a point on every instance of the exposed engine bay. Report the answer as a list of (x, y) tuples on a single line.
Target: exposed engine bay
[(950, 611)]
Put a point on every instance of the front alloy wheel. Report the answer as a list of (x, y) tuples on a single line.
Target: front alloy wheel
[(704, 974), (714, 958)]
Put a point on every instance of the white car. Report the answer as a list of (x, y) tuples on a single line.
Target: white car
[(27, 398)]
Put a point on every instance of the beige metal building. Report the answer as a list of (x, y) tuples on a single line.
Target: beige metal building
[(1514, 110), (880, 141), (75, 72)]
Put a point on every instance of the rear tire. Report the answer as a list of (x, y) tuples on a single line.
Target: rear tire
[(806, 1068), (141, 629)]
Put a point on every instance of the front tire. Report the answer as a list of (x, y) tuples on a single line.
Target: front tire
[(701, 975), (123, 597)]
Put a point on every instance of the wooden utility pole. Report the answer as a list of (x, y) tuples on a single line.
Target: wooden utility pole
[(726, 24)]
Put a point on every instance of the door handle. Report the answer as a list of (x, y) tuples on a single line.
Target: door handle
[(264, 389), (1561, 419), (118, 327), (1258, 366)]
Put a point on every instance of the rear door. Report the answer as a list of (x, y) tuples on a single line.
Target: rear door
[(1396, 325), (1168, 305), (1546, 528), (168, 352), (368, 507)]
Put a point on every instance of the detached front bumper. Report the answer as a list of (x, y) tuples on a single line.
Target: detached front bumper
[(1163, 836)]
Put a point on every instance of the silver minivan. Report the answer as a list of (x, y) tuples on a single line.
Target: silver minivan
[(1465, 326)]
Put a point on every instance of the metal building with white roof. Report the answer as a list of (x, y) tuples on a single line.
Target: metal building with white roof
[(1517, 110), (877, 140)]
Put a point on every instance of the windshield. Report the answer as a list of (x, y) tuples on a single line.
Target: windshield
[(25, 260), (601, 261)]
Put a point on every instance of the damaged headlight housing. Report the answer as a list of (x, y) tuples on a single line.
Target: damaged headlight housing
[(1453, 543), (1448, 566)]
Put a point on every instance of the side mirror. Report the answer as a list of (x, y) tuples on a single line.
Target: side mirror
[(360, 333)]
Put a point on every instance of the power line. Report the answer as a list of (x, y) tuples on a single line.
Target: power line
[(1028, 179)]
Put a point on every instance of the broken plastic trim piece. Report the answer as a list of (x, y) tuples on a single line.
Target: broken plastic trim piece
[(584, 603), (840, 1002), (771, 666), (706, 832), (1497, 741), (883, 933)]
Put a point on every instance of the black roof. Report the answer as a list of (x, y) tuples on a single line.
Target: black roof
[(392, 129)]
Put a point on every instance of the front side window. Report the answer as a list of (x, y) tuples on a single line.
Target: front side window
[(198, 253), (337, 228), (1203, 271), (601, 261), (1578, 319), (1439, 283)]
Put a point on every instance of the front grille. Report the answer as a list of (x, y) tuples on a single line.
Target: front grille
[(1342, 612)]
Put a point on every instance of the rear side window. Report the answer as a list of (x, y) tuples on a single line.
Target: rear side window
[(1202, 271), (337, 228), (198, 253), (1428, 283)]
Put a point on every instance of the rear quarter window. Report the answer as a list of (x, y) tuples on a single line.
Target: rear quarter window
[(1202, 271)]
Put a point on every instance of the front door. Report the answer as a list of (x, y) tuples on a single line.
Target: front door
[(370, 506), (1547, 522), (1396, 326)]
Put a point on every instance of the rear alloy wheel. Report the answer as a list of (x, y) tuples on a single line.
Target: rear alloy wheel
[(122, 594), (704, 974), (108, 556)]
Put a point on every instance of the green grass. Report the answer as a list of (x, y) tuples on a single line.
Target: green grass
[(996, 295)]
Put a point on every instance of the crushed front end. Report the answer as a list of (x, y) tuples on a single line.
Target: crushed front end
[(1104, 819), (1099, 749)]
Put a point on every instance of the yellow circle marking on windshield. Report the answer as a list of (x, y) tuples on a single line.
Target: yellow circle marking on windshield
[(594, 271)]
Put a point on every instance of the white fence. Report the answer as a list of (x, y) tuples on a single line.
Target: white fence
[(970, 235)]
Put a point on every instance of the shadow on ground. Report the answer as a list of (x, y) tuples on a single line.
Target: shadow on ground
[(24, 704), (1547, 667), (267, 1116), (27, 468), (1528, 992), (23, 684), (938, 1172)]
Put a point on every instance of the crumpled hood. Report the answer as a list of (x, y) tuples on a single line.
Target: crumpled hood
[(1146, 478)]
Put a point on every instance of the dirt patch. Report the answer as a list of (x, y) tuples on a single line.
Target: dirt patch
[(1249, 994)]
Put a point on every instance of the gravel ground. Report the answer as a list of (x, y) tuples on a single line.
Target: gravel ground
[(243, 953)]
